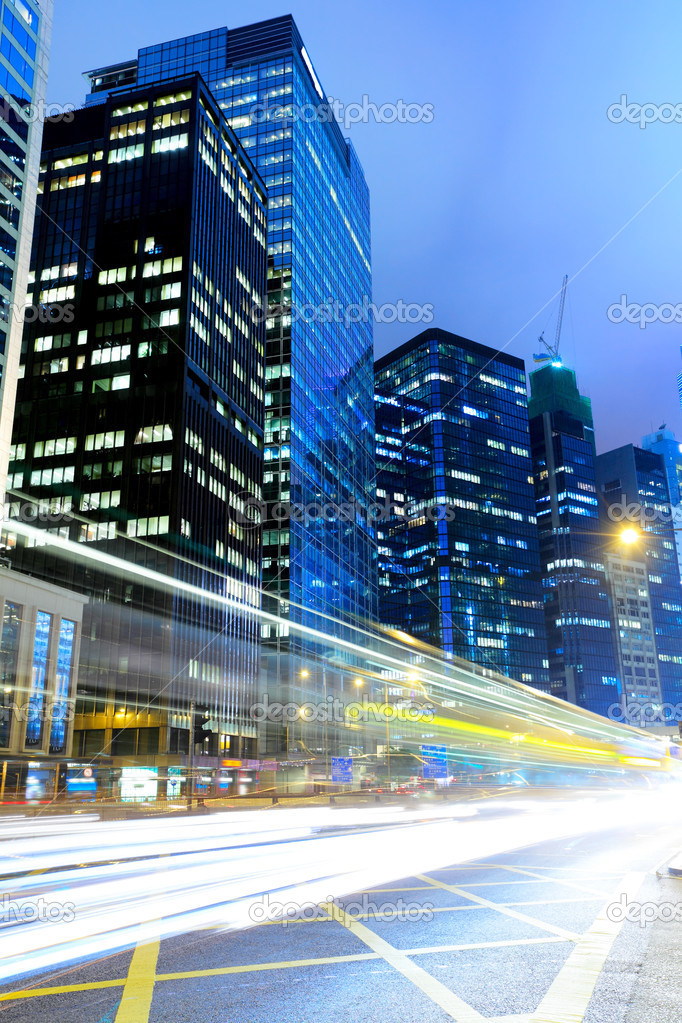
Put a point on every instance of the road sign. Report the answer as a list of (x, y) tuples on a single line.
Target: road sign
[(435, 761), (342, 769)]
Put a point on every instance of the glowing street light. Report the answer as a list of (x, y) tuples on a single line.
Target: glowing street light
[(629, 536)]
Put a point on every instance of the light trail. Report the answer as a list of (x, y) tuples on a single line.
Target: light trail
[(119, 883), (554, 733)]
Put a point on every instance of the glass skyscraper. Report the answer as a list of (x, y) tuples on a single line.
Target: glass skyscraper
[(458, 550), (630, 476), (138, 432), (25, 33), (664, 443), (319, 413), (582, 662)]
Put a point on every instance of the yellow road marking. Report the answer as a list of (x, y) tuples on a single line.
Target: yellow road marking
[(136, 1001), (571, 991), (221, 971), (510, 942), (500, 908), (259, 967), (432, 988), (508, 884), (65, 989)]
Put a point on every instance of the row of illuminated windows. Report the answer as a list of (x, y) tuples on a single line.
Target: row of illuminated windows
[(103, 356), (129, 129), (172, 143), (92, 531), (72, 181), (142, 105), (102, 499), (55, 272), (54, 446), (48, 477), (154, 526)]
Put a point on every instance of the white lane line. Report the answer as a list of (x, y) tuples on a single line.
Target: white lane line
[(572, 989), (555, 880), (510, 943), (447, 1000), (504, 910)]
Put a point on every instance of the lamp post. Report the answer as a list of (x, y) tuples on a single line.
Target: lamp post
[(190, 764), (388, 736)]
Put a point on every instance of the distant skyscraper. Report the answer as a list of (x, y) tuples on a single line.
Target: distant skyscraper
[(319, 413), (582, 664), (458, 549), (25, 34), (634, 634), (633, 480), (663, 442), (139, 418)]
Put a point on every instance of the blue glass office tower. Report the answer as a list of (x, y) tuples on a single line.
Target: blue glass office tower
[(458, 550), (664, 443), (25, 32), (630, 476), (582, 662), (319, 414)]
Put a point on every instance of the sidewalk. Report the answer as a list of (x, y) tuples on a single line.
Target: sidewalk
[(657, 993)]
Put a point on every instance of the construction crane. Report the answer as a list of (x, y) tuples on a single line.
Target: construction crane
[(553, 350)]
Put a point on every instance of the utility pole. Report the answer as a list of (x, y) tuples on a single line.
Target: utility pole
[(190, 766)]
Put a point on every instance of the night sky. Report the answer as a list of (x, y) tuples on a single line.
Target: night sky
[(519, 178)]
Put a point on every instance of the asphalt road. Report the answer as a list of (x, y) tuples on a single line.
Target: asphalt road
[(525, 937)]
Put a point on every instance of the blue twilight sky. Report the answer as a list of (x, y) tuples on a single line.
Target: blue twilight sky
[(519, 177)]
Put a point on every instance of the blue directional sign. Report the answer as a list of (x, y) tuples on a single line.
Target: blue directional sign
[(435, 761), (342, 770)]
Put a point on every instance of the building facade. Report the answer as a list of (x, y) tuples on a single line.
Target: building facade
[(578, 620), (632, 477), (458, 551), (138, 434), (25, 34), (39, 648), (634, 638), (319, 412), (664, 443)]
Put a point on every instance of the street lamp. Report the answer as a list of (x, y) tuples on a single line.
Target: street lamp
[(629, 536)]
